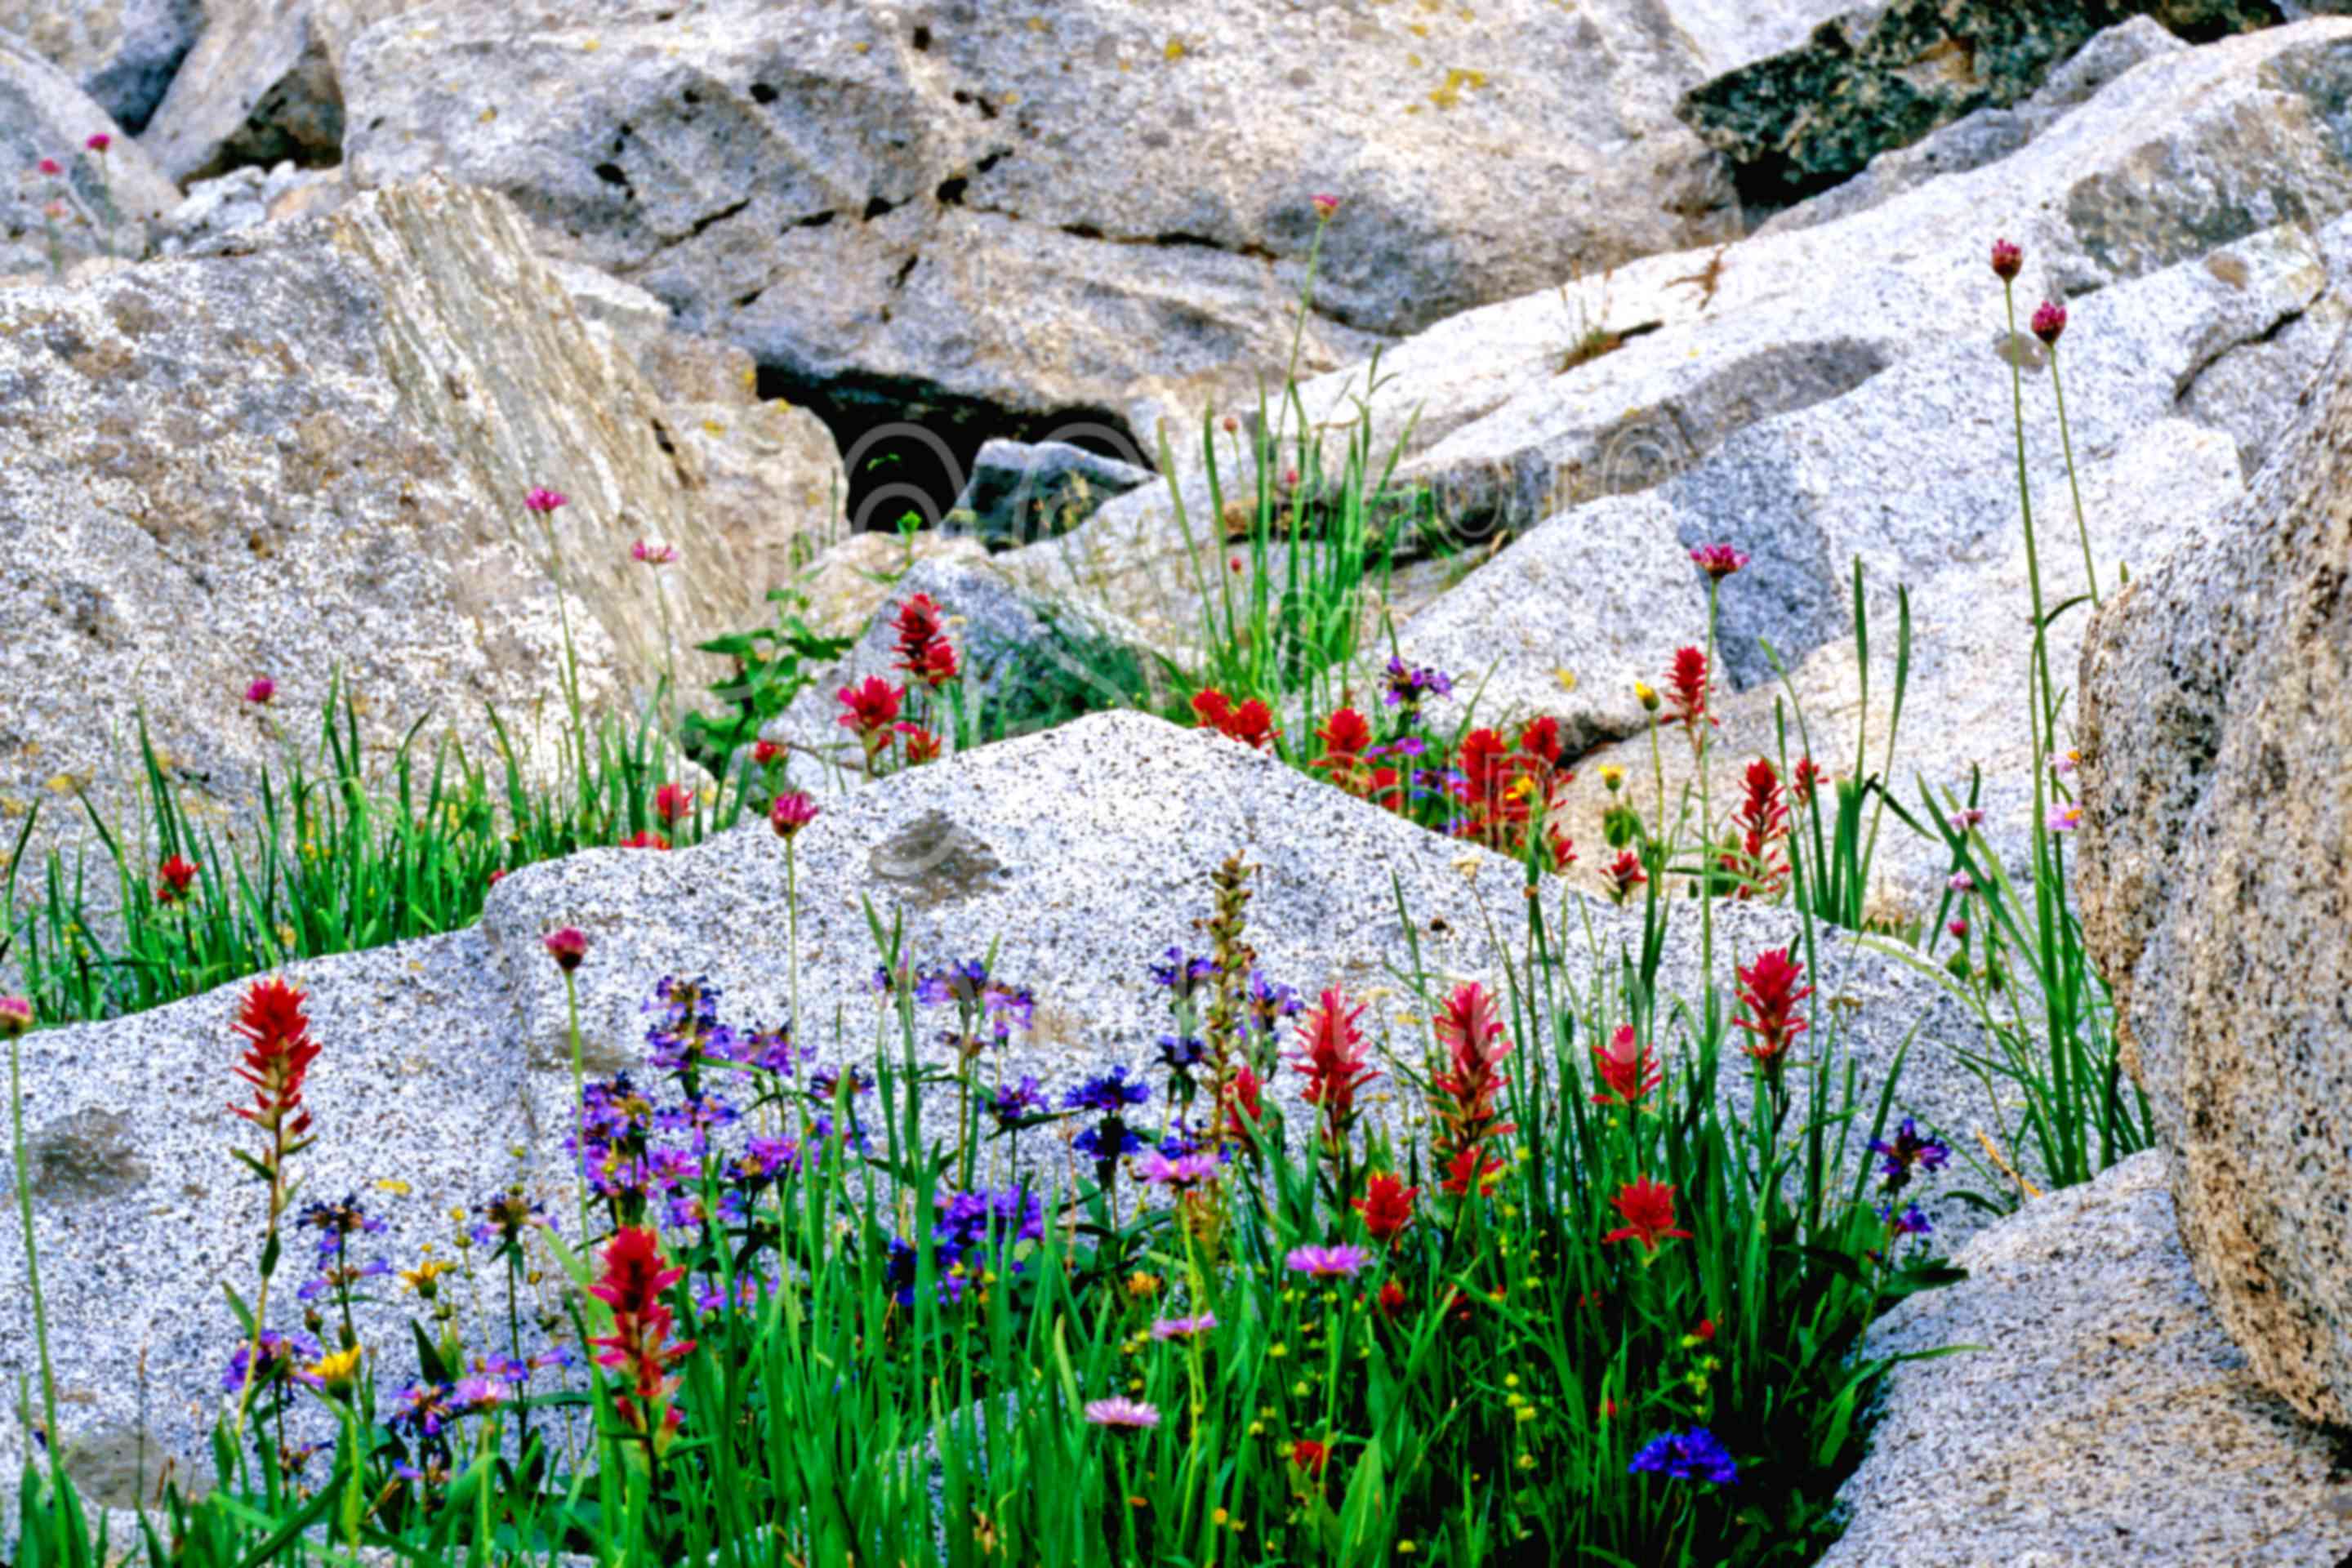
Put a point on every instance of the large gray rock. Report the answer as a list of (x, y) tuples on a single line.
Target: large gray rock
[(1082, 206), (2098, 1413), (1507, 422), (1989, 134), (1081, 855), (2217, 742), (94, 206), (1019, 492), (1885, 75), (264, 84), (120, 52), (309, 462)]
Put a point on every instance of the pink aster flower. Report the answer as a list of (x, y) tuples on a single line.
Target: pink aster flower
[(1718, 561), (261, 691), (2049, 321), (1961, 882), (653, 552), (2065, 817), (1969, 816), (1185, 1170), (1328, 1262), (1131, 1413), (1183, 1328)]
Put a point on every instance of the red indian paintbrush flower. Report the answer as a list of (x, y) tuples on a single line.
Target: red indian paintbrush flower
[(1346, 737), (1689, 686), (1386, 1206), (1626, 1065), (639, 1347), (1331, 1055), (1770, 989), (1648, 1209), (1250, 722), (178, 876), (1762, 820), (924, 651), (278, 1056), (1471, 1035), (673, 802), (1624, 875), (872, 707), (921, 745), (1804, 778)]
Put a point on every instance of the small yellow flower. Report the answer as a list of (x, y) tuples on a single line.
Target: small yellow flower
[(1612, 777), (1646, 694), (1141, 1284), (422, 1278), (1567, 678), (337, 1373)]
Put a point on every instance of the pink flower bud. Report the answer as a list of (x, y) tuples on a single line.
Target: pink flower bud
[(261, 691), (1718, 561), (15, 1016), (100, 142), (1959, 928), (545, 500), (2049, 321), (653, 552), (791, 813), (1326, 206), (2008, 260), (568, 947), (51, 167)]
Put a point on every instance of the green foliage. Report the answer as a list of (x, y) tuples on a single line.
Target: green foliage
[(338, 857), (772, 666)]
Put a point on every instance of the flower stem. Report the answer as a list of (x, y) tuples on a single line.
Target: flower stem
[(2067, 438), (32, 1258), (578, 1092)]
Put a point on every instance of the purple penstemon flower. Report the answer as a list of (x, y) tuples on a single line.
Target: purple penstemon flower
[(1344, 1262), (1696, 1457), (1182, 975), (338, 1223), (1271, 1002), (1013, 1104), (423, 1408), (1905, 1151), (279, 1352), (1109, 1092)]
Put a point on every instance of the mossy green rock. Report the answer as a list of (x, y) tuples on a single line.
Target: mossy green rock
[(1884, 76)]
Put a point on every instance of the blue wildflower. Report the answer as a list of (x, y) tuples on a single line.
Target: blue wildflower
[(1695, 1458)]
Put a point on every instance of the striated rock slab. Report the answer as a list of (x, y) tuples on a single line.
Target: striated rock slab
[(2217, 868), (2098, 1413)]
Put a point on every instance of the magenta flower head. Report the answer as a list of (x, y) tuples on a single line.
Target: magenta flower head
[(261, 691), (792, 812), (2008, 260), (568, 947), (51, 167), (1326, 206), (1718, 561), (2048, 320), (544, 500), (1328, 1262), (1183, 1328), (1959, 928), (1131, 1413), (15, 1016), (98, 143), (653, 552)]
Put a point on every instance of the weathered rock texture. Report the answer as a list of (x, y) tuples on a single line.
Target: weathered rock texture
[(309, 462), (94, 206), (120, 52), (1088, 206), (2098, 1414), (2217, 875), (1886, 75), (1082, 854), (264, 83), (1512, 421)]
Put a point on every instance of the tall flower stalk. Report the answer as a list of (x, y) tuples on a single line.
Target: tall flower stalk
[(15, 1019), (278, 1057)]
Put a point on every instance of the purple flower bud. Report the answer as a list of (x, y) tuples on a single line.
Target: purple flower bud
[(2008, 260)]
